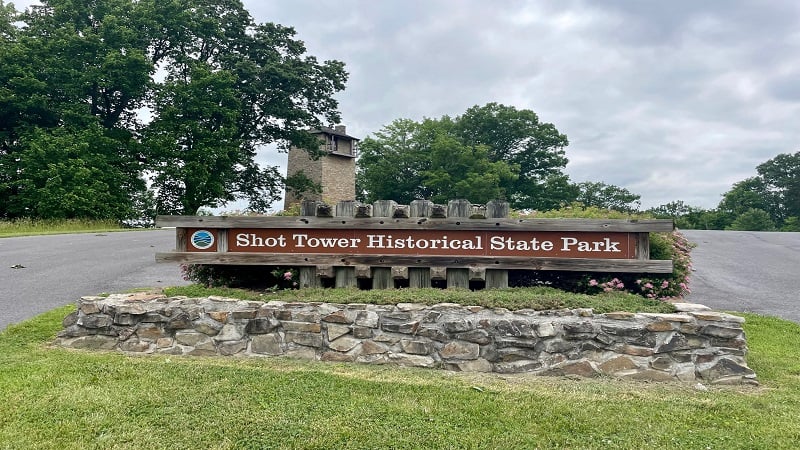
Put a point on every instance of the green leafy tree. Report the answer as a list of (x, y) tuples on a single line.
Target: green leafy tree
[(607, 196), (686, 216), (391, 163), (215, 86), (745, 195), (753, 220), (533, 148), (460, 171), (489, 151), (781, 183)]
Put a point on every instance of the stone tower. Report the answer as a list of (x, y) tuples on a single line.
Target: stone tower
[(335, 171)]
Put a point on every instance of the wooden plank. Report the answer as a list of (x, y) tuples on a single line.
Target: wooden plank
[(458, 278), (496, 209), (346, 208), (420, 208), (419, 277), (222, 240), (383, 208), (308, 274), (377, 223), (181, 239), (459, 208), (308, 277), (643, 246), (436, 263), (346, 277), (382, 278), (308, 208), (497, 278)]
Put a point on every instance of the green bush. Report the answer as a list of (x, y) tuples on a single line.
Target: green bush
[(663, 246)]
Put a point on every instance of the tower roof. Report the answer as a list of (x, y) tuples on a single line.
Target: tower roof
[(339, 131)]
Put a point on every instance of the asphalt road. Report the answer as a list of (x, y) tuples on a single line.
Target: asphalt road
[(734, 271), (59, 269), (747, 271)]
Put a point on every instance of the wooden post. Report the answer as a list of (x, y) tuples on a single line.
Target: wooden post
[(419, 277), (308, 208), (181, 239), (382, 276), (346, 275), (420, 208), (458, 278), (383, 208), (308, 274), (642, 245), (496, 279)]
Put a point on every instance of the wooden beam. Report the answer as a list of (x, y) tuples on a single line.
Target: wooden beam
[(389, 223), (434, 262)]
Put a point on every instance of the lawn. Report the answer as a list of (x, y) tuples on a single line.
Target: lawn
[(56, 398), (28, 227)]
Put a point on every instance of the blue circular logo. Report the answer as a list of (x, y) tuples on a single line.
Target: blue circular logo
[(202, 239)]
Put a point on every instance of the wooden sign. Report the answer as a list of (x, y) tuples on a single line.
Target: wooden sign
[(435, 243), (420, 242)]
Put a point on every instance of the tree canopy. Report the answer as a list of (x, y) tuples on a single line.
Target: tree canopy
[(111, 106), (491, 151)]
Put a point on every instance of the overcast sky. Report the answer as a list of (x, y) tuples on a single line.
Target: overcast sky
[(673, 100)]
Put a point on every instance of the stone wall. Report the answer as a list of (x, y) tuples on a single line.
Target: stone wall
[(694, 345)]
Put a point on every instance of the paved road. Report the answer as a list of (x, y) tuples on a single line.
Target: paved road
[(60, 269), (747, 271)]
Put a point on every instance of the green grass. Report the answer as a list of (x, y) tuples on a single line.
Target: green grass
[(52, 398), (538, 298), (29, 227)]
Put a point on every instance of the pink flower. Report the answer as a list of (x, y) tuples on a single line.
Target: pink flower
[(620, 285), (592, 282), (287, 276), (665, 284), (648, 285)]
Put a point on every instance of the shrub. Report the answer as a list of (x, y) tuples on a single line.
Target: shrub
[(663, 246)]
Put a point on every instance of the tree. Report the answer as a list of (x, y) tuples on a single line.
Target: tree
[(489, 151), (460, 171), (780, 177), (216, 86), (607, 196), (686, 216), (753, 220), (390, 164), (519, 139)]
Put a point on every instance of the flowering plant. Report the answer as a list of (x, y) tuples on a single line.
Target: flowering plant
[(672, 246), (287, 278)]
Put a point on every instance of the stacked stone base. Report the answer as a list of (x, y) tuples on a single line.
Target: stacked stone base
[(694, 345)]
